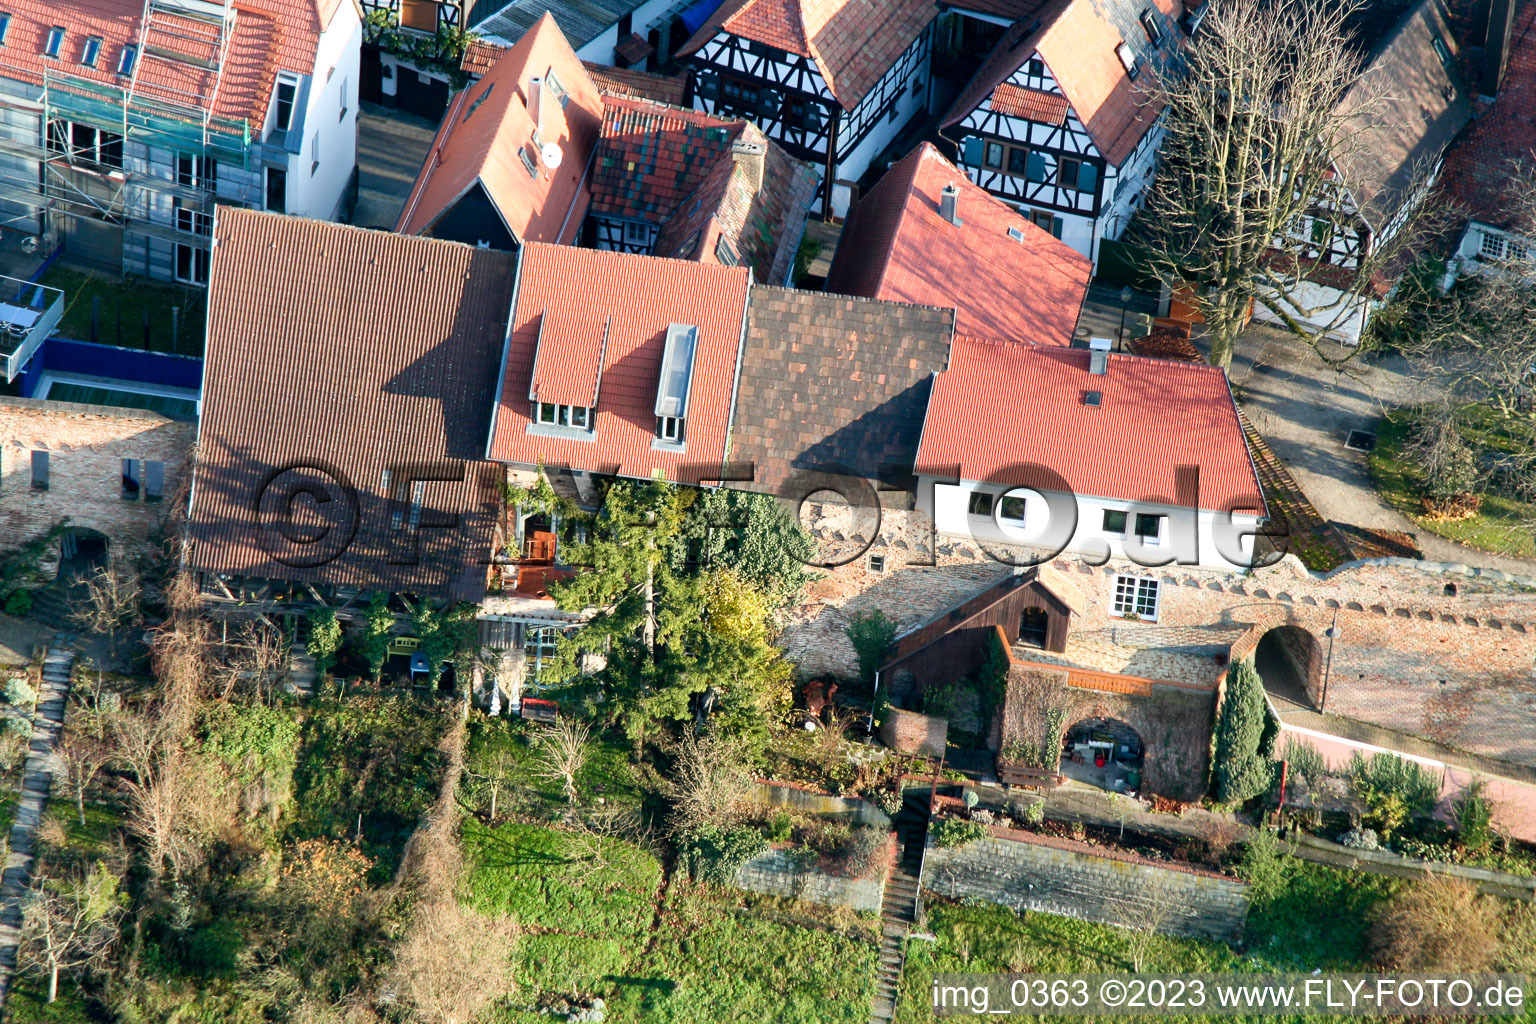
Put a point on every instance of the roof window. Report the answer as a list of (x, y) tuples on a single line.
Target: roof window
[(479, 100), (676, 371), (55, 41), (1441, 50), (726, 253), (91, 51), (1128, 59), (126, 58), (528, 164), (5, 25), (1150, 26)]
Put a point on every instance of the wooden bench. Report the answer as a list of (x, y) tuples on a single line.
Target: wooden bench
[(1035, 778), (540, 710)]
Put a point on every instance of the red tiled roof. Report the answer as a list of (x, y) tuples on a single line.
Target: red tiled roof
[(568, 358), (480, 56), (652, 156), (1077, 45), (852, 42), (489, 123), (1000, 404), (268, 36), (637, 298), (671, 89), (1477, 167), (1034, 104), (895, 245), (354, 350)]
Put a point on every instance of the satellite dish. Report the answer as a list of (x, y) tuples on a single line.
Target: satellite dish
[(551, 155), (31, 243)]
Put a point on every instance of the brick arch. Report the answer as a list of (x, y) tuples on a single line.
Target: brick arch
[(1290, 648)]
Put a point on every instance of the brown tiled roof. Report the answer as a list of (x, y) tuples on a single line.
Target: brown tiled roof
[(1477, 168), (852, 42), (834, 384), (572, 295), (762, 225), (397, 369), (896, 245), (480, 55), (634, 48), (652, 156), (1077, 44), (1414, 107), (672, 89), (1169, 340), (489, 124), (1034, 104)]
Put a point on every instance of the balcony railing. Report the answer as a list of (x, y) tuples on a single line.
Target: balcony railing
[(28, 314)]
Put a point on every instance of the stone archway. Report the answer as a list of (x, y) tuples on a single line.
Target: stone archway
[(1289, 660), (82, 551), (1103, 752)]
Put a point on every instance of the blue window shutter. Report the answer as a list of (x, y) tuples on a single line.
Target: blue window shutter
[(1087, 178), (972, 150)]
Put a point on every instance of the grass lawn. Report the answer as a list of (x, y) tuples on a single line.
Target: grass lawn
[(1318, 919), (714, 956), (607, 773), (131, 298), (1502, 523)]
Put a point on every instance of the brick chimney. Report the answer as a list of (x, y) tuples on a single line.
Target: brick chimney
[(753, 157)]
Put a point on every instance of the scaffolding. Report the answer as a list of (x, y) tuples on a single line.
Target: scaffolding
[(89, 167)]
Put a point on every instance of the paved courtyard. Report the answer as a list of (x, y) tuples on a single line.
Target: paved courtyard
[(391, 146)]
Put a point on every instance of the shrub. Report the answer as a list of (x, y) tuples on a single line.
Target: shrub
[(1242, 768), (862, 852), (1262, 865), (1360, 839), (1391, 789), (780, 827), (1305, 761), (19, 692), (952, 832), (712, 853), (1474, 818), (1438, 924), (18, 726), (1448, 461), (324, 639), (18, 603), (1032, 813), (870, 633)]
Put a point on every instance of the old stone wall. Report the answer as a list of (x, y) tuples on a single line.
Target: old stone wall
[(779, 873), (1446, 652), (1029, 872), (851, 809), (912, 733), (86, 445)]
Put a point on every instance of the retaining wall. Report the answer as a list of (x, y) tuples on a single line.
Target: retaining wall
[(777, 873), (1030, 872)]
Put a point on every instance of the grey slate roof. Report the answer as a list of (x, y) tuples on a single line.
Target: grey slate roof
[(834, 384), (581, 20)]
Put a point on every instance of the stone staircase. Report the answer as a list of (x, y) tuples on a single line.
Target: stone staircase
[(37, 780), (898, 908)]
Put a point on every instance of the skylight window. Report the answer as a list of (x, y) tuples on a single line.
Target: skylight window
[(91, 52), (479, 100), (1150, 26), (126, 58), (556, 89), (55, 41), (1441, 50), (676, 376), (1128, 59), (528, 164), (5, 26)]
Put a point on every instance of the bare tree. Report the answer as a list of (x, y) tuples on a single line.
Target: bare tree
[(82, 755), (175, 800), (1271, 110), (562, 752), (111, 601), (493, 768), (251, 661), (1144, 919), (69, 924), (453, 963), (710, 784), (1440, 923)]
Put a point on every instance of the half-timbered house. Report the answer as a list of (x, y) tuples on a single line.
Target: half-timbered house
[(1059, 120), (832, 81), (621, 33), (534, 152)]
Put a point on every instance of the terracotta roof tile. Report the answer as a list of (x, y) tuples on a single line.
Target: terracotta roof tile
[(395, 369), (671, 89), (896, 245), (268, 36), (489, 124), (636, 298), (1034, 104), (652, 156), (834, 384), (1155, 415)]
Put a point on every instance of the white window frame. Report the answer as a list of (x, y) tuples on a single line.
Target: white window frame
[(1150, 540), (554, 414), (980, 497), (192, 222), (1004, 500), (1139, 596), (91, 52), (670, 429), (197, 263), (637, 232), (126, 58), (291, 82), (343, 98), (53, 42)]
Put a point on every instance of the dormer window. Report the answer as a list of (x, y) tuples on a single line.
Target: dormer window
[(1150, 26), (676, 379), (1128, 59), (55, 41), (554, 414)]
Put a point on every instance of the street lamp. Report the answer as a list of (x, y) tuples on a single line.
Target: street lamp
[(1126, 294), (1333, 632)]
